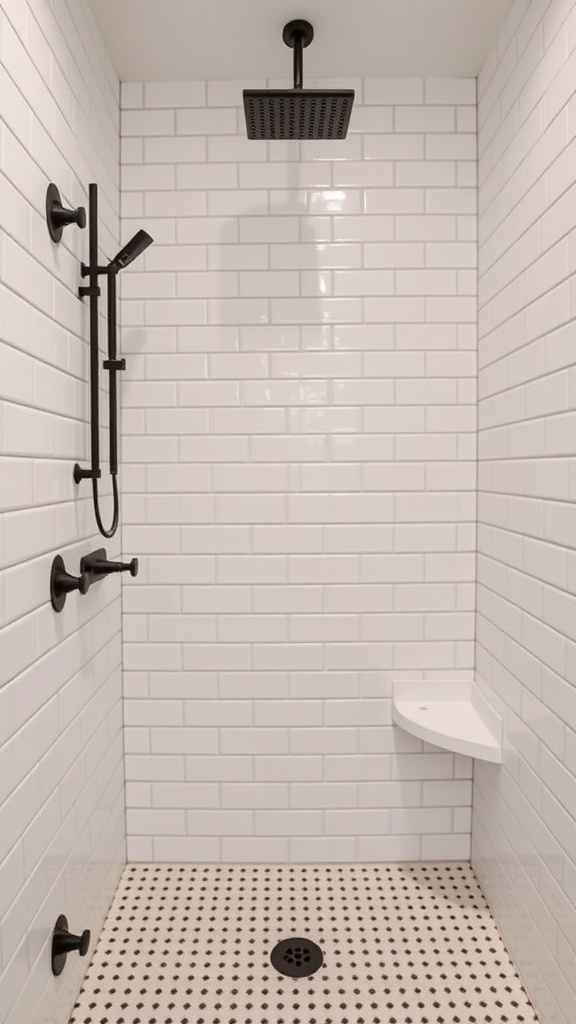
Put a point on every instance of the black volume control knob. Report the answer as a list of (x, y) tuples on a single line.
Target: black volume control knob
[(64, 942)]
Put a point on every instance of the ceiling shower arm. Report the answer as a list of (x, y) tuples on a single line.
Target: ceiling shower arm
[(298, 34), (298, 60)]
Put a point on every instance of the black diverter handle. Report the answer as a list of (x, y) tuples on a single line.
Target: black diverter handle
[(104, 566), (98, 565)]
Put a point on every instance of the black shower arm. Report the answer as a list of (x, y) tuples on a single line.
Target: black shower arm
[(298, 60)]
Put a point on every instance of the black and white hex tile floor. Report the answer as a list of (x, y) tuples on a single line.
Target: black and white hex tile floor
[(401, 944)]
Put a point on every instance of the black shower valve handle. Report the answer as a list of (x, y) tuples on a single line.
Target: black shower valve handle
[(98, 565), (58, 216), (104, 566), (67, 583), (64, 942), (63, 217)]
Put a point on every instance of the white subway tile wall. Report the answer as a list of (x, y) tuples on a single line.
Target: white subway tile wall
[(524, 832), (61, 779), (299, 449)]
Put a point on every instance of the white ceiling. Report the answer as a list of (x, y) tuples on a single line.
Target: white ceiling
[(171, 40)]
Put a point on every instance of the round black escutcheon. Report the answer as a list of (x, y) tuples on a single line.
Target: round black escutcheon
[(297, 957)]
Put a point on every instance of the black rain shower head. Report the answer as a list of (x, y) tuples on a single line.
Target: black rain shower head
[(297, 113), (131, 250)]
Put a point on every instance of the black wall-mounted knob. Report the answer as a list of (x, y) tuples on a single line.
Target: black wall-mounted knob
[(62, 583), (58, 217), (97, 564), (64, 942), (131, 567)]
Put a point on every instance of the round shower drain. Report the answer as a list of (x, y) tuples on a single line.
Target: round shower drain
[(298, 958)]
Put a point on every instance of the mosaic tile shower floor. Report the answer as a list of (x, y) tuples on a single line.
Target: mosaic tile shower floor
[(402, 944)]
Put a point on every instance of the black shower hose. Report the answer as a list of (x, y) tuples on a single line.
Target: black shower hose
[(116, 514)]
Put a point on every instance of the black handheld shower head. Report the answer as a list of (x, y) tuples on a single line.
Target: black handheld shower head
[(134, 248)]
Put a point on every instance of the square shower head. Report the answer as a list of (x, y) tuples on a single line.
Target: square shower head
[(298, 113)]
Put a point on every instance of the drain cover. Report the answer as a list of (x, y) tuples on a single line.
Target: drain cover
[(298, 958)]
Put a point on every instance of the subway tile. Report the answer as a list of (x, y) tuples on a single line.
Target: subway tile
[(257, 741), (323, 849), (255, 849), (327, 420), (242, 508), (174, 94), (284, 175), (205, 121), (234, 148), (146, 821), (221, 823), (174, 150), (309, 310), (258, 229), (289, 713), (323, 741), (394, 91), (185, 848), (429, 118), (273, 657), (376, 228), (394, 255), (218, 768), (363, 173), (183, 795), (256, 795), (235, 203), (278, 822), (458, 146), (148, 122)]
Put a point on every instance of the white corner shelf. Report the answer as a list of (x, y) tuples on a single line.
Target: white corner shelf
[(453, 714)]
